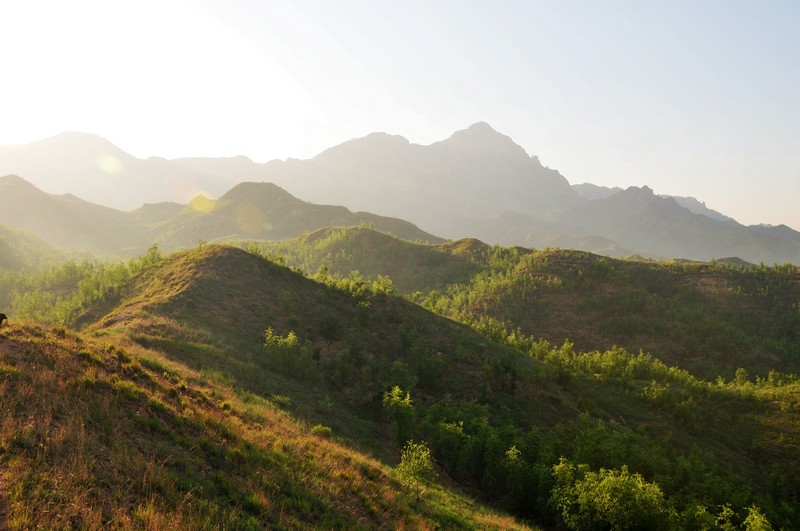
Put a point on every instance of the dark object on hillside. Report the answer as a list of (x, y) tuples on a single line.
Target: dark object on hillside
[(3, 319)]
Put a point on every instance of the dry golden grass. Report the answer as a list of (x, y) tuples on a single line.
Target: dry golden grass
[(97, 435)]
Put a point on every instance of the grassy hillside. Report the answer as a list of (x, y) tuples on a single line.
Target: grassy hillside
[(97, 436), (499, 410), (709, 318), (411, 266)]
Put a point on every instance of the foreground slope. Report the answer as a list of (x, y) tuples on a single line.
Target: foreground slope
[(96, 436), (497, 416)]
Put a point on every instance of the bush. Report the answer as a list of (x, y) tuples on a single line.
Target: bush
[(608, 499), (416, 467)]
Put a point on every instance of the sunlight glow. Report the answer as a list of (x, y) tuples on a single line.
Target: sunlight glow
[(201, 203), (109, 164)]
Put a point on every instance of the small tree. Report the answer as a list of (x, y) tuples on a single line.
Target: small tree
[(400, 409), (416, 467)]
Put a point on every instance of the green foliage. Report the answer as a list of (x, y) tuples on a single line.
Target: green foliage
[(608, 499), (321, 431), (400, 409), (60, 294), (289, 356), (416, 469), (497, 409)]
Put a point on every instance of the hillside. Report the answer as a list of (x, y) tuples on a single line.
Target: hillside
[(334, 347), (98, 436), (709, 318), (411, 266)]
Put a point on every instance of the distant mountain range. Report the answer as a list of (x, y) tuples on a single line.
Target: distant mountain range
[(249, 211), (476, 183)]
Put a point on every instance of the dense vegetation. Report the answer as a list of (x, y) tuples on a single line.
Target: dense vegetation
[(544, 431), (94, 436), (711, 319)]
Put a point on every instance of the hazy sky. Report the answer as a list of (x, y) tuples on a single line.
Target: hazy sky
[(695, 97)]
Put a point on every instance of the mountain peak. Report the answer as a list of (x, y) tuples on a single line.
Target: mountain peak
[(480, 137), (70, 144), (481, 127)]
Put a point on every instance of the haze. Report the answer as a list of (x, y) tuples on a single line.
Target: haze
[(691, 98)]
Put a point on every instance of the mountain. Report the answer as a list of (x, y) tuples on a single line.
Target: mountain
[(263, 211), (476, 183), (479, 183), (67, 221), (475, 174), (698, 207), (96, 170), (246, 212), (592, 191), (639, 219)]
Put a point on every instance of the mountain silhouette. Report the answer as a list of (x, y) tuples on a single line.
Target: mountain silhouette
[(476, 183)]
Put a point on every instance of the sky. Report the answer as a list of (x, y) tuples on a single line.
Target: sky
[(690, 97)]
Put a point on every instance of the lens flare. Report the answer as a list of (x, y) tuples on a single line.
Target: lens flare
[(249, 219), (201, 203), (109, 164)]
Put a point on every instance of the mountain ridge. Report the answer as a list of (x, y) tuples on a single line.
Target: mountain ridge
[(247, 211), (477, 182)]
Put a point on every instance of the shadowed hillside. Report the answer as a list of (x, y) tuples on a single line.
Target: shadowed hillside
[(709, 318)]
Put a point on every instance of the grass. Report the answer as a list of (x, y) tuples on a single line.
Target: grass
[(94, 436), (187, 340)]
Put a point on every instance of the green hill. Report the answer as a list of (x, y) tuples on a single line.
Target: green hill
[(411, 266), (97, 436), (498, 410), (710, 318)]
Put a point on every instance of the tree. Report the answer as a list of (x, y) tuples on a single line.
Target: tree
[(416, 467), (400, 410), (608, 499)]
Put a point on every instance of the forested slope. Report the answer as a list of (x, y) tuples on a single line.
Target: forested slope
[(534, 428)]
